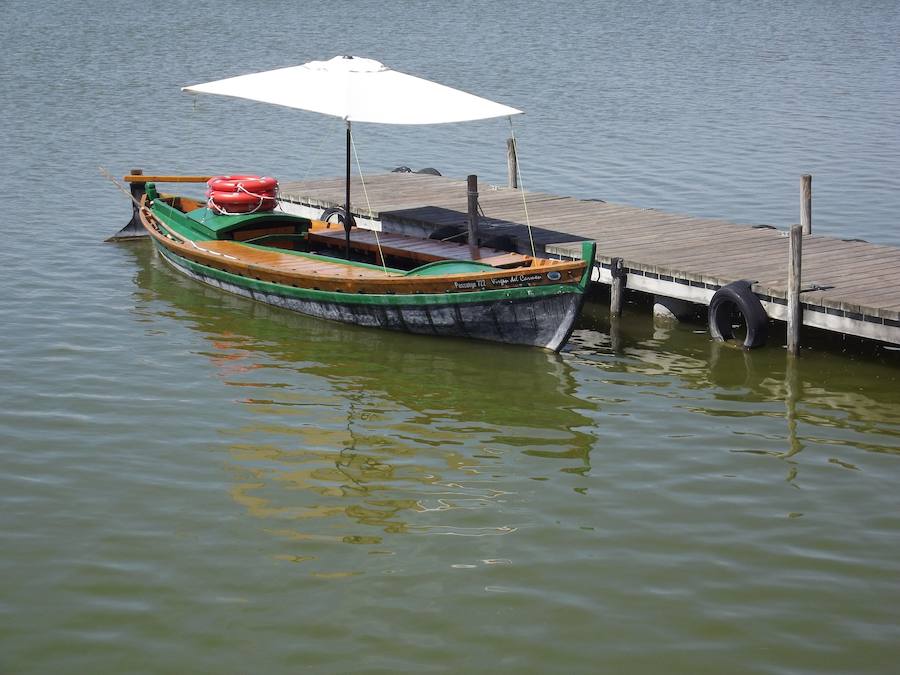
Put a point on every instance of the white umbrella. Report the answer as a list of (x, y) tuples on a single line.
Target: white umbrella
[(358, 90)]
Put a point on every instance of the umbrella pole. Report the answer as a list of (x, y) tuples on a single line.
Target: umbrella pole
[(347, 221)]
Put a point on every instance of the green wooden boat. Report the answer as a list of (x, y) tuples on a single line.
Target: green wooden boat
[(392, 281)]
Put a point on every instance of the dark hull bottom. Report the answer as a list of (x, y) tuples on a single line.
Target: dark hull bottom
[(540, 321)]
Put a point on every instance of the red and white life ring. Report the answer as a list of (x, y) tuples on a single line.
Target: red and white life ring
[(236, 209), (242, 194), (240, 197), (241, 183)]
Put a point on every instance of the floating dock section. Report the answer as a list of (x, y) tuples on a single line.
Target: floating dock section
[(847, 286)]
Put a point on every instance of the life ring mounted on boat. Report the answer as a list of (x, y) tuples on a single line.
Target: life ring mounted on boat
[(239, 197), (230, 195), (242, 183)]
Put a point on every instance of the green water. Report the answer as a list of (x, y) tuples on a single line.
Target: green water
[(238, 489), (194, 483)]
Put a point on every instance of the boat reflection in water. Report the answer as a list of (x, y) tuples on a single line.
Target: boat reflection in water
[(340, 435), (346, 434)]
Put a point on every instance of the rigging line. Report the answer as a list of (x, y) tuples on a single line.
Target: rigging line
[(362, 180), (314, 156), (512, 133)]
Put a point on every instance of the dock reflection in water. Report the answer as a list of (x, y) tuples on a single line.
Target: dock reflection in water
[(789, 403)]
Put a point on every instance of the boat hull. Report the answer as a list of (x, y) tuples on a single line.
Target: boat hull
[(543, 317)]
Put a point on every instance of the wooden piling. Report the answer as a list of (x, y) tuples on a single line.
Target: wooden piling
[(615, 334), (512, 163), (794, 308), (806, 203), (472, 222), (792, 394), (617, 289)]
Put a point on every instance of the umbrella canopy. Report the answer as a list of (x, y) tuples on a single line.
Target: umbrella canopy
[(358, 90)]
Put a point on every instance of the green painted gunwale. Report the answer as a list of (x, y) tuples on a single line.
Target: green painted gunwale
[(493, 295), (181, 224)]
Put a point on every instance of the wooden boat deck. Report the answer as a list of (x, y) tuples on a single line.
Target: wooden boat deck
[(849, 287), (291, 263), (313, 272), (415, 248)]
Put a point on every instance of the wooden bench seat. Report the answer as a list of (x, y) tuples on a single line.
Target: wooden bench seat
[(414, 248)]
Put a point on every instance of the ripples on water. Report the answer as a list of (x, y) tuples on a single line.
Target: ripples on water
[(192, 482)]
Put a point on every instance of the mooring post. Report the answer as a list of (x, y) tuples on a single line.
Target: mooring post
[(792, 393), (794, 309), (615, 334), (512, 163), (806, 203), (617, 289), (472, 184)]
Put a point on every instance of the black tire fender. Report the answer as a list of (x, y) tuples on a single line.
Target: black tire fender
[(737, 296), (335, 211)]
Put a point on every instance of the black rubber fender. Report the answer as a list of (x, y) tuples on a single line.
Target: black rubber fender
[(335, 211), (732, 297)]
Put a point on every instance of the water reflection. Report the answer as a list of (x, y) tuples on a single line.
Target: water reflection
[(340, 434), (827, 400)]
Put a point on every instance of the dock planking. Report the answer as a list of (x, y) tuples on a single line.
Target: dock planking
[(849, 287)]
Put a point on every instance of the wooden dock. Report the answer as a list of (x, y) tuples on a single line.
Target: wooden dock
[(849, 287)]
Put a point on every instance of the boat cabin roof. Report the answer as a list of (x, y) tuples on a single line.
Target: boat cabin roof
[(215, 225)]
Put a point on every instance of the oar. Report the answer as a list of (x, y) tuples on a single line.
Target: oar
[(141, 178)]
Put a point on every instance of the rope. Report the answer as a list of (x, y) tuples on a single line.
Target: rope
[(213, 206), (512, 133), (172, 235), (221, 210), (314, 156), (206, 250), (241, 188), (368, 205)]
